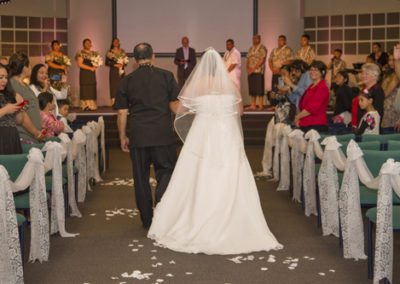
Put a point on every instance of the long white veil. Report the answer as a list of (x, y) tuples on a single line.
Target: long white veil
[(209, 77)]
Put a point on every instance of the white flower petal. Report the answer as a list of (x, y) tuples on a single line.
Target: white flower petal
[(264, 268), (332, 270), (321, 273)]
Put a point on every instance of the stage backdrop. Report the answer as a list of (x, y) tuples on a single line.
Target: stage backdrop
[(206, 23)]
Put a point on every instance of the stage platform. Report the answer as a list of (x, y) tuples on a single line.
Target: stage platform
[(254, 124)]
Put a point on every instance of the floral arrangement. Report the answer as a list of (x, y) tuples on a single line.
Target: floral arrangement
[(65, 60), (121, 59), (96, 59)]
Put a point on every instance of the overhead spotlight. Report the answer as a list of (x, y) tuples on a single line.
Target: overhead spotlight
[(4, 2)]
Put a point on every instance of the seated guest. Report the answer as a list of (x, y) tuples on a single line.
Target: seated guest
[(369, 77), (49, 121), (40, 83), (30, 129), (63, 113), (380, 57), (314, 103), (390, 83), (298, 82), (369, 123), (10, 115)]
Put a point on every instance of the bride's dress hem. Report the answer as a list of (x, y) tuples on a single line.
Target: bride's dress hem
[(210, 252)]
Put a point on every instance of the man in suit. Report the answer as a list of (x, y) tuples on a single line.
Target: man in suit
[(149, 95), (185, 59)]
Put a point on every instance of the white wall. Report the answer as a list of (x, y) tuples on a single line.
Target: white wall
[(42, 8), (276, 18)]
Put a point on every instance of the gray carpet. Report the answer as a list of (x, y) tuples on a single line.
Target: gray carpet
[(103, 250)]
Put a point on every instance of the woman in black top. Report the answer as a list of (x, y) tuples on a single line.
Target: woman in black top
[(344, 94), (9, 116), (117, 72)]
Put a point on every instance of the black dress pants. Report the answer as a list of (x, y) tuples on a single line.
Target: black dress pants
[(163, 159)]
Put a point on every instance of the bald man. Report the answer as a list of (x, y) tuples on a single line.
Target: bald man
[(185, 59)]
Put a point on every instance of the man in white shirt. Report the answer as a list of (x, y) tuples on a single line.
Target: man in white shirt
[(232, 60)]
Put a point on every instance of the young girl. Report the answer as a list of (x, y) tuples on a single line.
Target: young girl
[(49, 121), (369, 123)]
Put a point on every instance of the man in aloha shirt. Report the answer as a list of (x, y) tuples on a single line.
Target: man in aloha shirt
[(280, 56), (256, 57)]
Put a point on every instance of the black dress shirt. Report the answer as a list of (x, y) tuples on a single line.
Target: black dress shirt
[(147, 92)]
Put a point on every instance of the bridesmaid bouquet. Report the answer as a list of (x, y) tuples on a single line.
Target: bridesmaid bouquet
[(96, 59), (65, 60), (123, 60)]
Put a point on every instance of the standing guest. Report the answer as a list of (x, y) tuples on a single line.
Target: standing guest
[(232, 61), (306, 52), (185, 59), (280, 56), (149, 94), (314, 103), (390, 83), (380, 57), (87, 76), (369, 123), (336, 65), (116, 59), (49, 121), (344, 96), (4, 60), (298, 81), (30, 129), (57, 62), (396, 57), (10, 115), (256, 57), (369, 77)]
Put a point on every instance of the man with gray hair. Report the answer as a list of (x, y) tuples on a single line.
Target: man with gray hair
[(185, 59), (149, 96)]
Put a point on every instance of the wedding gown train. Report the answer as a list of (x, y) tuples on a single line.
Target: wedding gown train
[(211, 204)]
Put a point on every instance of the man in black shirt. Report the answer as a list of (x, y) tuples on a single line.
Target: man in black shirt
[(148, 95)]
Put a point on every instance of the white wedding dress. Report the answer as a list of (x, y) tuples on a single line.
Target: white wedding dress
[(211, 204)]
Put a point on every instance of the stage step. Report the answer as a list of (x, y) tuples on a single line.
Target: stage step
[(254, 126)]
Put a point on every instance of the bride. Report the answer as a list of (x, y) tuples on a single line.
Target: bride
[(211, 204)]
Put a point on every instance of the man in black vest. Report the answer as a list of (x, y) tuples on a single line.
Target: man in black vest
[(149, 96), (185, 59)]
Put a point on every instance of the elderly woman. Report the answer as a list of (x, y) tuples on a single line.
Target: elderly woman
[(369, 77), (314, 103), (30, 130)]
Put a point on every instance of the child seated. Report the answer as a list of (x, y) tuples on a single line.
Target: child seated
[(369, 123), (64, 115), (49, 121)]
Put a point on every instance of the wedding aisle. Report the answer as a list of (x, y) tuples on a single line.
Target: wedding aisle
[(112, 246)]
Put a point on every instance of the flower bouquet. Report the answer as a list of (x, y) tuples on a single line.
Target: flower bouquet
[(65, 60), (123, 60), (96, 59)]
